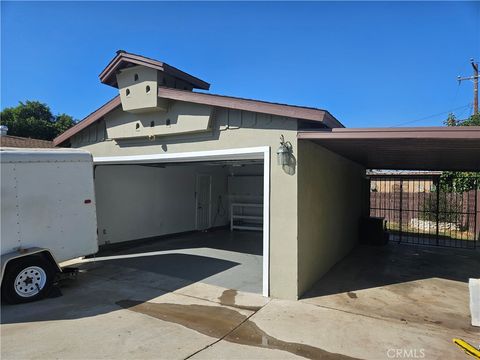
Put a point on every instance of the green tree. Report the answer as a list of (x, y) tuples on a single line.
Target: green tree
[(451, 120), (63, 122), (460, 181), (35, 120), (473, 120)]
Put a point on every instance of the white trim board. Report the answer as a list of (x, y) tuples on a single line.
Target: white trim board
[(266, 222), (252, 153), (228, 154)]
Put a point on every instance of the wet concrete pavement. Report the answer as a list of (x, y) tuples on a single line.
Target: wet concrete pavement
[(114, 312)]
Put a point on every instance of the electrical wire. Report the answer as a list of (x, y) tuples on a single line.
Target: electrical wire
[(430, 116), (456, 95)]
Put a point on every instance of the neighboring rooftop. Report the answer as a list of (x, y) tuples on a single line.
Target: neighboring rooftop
[(22, 142), (403, 173), (125, 59)]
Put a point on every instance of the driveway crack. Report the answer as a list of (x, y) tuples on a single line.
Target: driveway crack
[(227, 334)]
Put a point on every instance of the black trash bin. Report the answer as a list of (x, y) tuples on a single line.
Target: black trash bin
[(372, 231)]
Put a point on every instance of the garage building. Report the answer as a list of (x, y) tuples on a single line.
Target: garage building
[(285, 182)]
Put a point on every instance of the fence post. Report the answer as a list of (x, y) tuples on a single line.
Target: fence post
[(437, 207), (369, 192), (476, 226), (401, 205)]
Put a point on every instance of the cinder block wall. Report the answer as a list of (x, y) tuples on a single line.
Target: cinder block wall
[(330, 203)]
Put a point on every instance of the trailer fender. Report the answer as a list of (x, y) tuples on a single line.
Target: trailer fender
[(23, 252)]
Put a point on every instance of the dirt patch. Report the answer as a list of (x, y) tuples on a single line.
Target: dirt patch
[(223, 323), (352, 295)]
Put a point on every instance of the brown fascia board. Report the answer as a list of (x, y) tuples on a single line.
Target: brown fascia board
[(291, 111), (458, 132), (89, 120), (107, 76)]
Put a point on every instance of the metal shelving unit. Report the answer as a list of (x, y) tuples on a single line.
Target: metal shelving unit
[(243, 218)]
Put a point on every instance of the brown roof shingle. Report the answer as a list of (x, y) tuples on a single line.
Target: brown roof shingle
[(22, 142)]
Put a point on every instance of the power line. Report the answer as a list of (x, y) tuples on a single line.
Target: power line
[(468, 111), (430, 116)]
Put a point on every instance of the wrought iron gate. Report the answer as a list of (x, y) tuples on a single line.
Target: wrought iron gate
[(418, 209)]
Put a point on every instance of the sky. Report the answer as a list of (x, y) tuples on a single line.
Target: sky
[(371, 64)]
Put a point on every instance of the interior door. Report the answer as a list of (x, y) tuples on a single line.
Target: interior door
[(204, 192)]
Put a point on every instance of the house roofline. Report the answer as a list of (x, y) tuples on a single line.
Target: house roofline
[(87, 121), (291, 111), (259, 106)]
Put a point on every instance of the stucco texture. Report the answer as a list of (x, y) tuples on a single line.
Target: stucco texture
[(330, 205)]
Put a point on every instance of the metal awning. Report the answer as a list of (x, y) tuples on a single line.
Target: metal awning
[(421, 148)]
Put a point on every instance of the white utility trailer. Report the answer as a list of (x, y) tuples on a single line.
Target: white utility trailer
[(47, 217)]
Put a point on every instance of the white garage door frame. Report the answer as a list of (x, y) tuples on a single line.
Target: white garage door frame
[(252, 153)]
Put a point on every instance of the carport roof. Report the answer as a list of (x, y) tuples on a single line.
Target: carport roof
[(420, 148)]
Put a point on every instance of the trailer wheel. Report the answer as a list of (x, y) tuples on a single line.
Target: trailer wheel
[(27, 279)]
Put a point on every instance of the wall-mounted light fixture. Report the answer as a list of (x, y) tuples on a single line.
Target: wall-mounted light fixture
[(284, 152)]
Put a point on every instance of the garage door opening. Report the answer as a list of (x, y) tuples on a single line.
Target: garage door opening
[(201, 217)]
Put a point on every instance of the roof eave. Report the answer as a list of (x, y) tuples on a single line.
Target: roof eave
[(107, 76), (290, 111), (90, 119)]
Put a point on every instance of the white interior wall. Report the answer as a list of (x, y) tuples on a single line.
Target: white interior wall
[(135, 202)]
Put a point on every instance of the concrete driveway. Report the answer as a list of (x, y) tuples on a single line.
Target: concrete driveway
[(230, 259), (120, 312)]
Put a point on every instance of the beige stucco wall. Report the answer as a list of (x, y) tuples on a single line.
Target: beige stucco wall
[(233, 129), (330, 205), (133, 89), (178, 118)]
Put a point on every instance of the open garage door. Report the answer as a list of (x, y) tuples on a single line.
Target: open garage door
[(202, 216)]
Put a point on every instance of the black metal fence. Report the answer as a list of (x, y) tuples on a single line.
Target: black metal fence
[(421, 210)]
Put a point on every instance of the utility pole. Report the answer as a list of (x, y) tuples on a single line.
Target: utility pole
[(474, 77)]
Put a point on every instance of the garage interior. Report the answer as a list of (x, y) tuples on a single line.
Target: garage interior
[(188, 221)]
